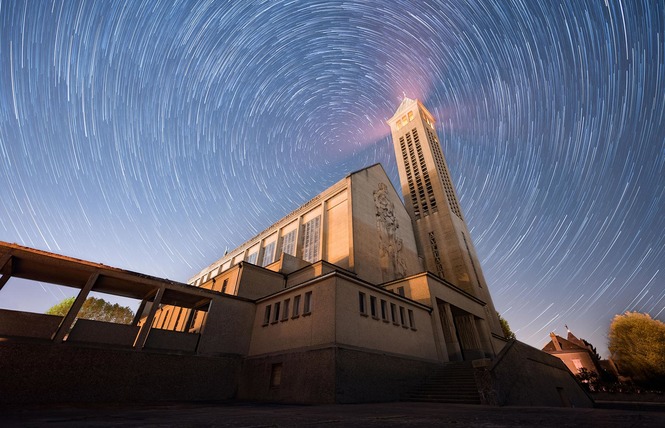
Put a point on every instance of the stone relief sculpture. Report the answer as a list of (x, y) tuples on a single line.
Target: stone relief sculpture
[(390, 246)]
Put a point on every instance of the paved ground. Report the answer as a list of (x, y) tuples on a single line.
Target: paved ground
[(349, 415)]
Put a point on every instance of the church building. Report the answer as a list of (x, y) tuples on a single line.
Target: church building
[(354, 296), (354, 274)]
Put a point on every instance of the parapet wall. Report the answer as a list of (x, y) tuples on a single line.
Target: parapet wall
[(525, 376), (32, 372)]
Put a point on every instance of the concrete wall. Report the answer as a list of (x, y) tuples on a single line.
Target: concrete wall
[(332, 375), (373, 332), (525, 376), (308, 272), (337, 230), (363, 376), (256, 282), (307, 376), (228, 327), (62, 373), (368, 261), (171, 340), (305, 330), (91, 331), (27, 324)]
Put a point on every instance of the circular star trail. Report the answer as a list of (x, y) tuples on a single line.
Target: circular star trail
[(153, 135)]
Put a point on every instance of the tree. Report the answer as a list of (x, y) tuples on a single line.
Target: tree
[(95, 309), (637, 345), (507, 332)]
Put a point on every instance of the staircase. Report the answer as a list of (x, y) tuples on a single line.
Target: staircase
[(452, 383)]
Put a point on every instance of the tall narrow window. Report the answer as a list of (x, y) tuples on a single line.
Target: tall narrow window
[(311, 239), (275, 317), (372, 306), (393, 313), (402, 318), (276, 375), (307, 305), (253, 257), (400, 291), (266, 316), (289, 243), (296, 306), (384, 310), (412, 322), (268, 254), (362, 303), (435, 253), (285, 310), (224, 285)]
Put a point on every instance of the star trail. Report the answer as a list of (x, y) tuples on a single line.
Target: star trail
[(154, 135)]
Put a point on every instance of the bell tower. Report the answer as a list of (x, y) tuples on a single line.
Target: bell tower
[(429, 195)]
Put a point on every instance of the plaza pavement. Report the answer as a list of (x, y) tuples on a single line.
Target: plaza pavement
[(235, 414)]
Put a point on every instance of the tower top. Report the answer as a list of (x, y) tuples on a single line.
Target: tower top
[(410, 105)]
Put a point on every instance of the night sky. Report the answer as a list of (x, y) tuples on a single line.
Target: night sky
[(154, 135)]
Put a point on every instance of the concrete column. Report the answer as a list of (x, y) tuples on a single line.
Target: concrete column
[(68, 320), (323, 231), (485, 336), (139, 312), (6, 269), (454, 347), (439, 335), (299, 239), (259, 254), (203, 327), (145, 328)]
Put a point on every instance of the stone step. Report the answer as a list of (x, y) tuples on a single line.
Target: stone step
[(453, 383)]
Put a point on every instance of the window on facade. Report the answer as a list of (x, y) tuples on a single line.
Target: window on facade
[(268, 254), (311, 239), (285, 310), (253, 257), (372, 306), (402, 318), (400, 291), (384, 310), (362, 303), (224, 285), (412, 322), (393, 313), (276, 375), (289, 243), (266, 316), (307, 305), (296, 306), (435, 253), (275, 316)]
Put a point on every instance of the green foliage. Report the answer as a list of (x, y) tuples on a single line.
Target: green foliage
[(507, 332), (95, 309), (637, 344), (589, 380)]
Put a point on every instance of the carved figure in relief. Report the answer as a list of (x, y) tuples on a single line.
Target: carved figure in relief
[(390, 246)]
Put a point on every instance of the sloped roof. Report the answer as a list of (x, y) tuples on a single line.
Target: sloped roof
[(566, 345)]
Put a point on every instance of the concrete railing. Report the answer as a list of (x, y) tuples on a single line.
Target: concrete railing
[(27, 324), (171, 340), (89, 331)]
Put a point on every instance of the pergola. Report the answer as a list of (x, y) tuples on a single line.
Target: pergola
[(36, 265)]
